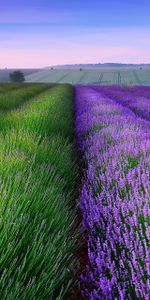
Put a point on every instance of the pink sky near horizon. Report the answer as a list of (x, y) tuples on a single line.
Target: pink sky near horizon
[(32, 50), (26, 58)]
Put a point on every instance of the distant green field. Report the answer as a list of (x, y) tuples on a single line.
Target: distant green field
[(101, 76)]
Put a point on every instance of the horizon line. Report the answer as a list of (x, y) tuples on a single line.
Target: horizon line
[(74, 64)]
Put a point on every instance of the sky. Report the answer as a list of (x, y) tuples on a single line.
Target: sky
[(40, 33)]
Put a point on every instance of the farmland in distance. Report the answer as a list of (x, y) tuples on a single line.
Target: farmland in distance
[(97, 76)]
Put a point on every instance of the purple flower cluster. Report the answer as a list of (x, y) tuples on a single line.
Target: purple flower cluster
[(136, 98), (115, 148)]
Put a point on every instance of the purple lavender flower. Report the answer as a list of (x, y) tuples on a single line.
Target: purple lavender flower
[(136, 98), (114, 142)]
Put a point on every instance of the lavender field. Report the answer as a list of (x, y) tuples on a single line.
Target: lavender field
[(113, 138), (75, 192)]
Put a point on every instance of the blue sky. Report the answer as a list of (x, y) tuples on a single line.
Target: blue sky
[(39, 33)]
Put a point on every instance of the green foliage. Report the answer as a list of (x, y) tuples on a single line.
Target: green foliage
[(38, 175), (17, 76)]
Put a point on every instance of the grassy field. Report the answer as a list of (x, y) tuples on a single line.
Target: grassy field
[(38, 176), (101, 76)]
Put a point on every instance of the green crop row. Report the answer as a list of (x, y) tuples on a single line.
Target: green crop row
[(11, 97), (38, 177), (5, 87)]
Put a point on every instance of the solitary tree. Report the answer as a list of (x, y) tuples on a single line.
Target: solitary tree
[(16, 76)]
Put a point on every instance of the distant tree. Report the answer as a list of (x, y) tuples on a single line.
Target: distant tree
[(16, 76), (52, 68), (80, 69)]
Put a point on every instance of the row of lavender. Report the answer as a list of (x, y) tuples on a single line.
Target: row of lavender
[(136, 98), (115, 148)]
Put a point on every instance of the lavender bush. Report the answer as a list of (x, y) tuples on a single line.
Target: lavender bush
[(136, 98), (115, 148)]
